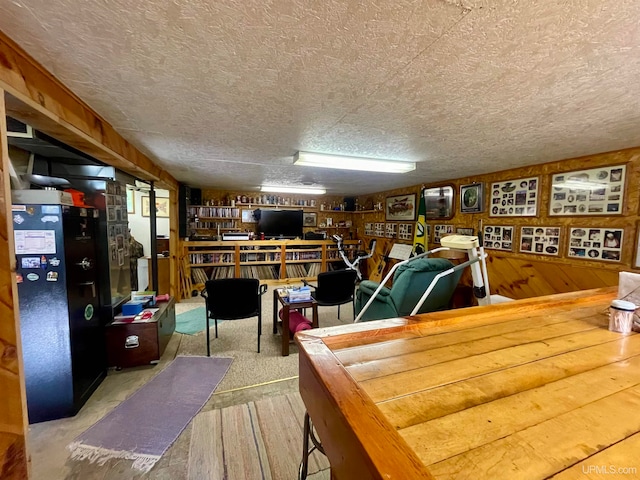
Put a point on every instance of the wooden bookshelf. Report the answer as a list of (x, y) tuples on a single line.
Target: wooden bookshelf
[(268, 260)]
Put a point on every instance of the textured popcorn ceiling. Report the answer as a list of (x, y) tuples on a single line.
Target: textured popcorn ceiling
[(223, 93)]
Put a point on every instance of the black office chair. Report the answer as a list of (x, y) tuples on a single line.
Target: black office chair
[(335, 288), (231, 299)]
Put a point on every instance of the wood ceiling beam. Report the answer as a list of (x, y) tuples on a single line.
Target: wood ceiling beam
[(39, 99)]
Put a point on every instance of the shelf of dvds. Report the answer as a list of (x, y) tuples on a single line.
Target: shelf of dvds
[(222, 218), (262, 259)]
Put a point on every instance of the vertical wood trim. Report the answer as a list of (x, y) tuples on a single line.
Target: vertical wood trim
[(174, 254), (14, 462)]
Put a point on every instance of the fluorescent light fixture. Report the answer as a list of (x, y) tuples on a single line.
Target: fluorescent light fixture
[(352, 163), (303, 190)]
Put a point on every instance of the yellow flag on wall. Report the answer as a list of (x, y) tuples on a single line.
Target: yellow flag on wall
[(420, 240)]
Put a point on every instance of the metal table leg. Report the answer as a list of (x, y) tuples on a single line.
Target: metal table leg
[(308, 434)]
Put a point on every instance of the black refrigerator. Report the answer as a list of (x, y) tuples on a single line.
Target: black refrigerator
[(58, 288)]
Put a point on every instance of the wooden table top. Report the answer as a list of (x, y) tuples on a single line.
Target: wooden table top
[(535, 388)]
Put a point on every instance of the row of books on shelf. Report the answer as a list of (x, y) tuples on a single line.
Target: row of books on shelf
[(296, 270), (196, 258), (227, 212), (214, 225), (260, 257), (263, 272), (198, 275), (303, 255)]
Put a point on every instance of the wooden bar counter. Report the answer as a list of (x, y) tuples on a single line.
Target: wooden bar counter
[(531, 389)]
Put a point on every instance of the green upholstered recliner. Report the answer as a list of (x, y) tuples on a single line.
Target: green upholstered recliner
[(410, 282)]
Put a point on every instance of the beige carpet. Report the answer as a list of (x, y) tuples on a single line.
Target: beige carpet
[(238, 339)]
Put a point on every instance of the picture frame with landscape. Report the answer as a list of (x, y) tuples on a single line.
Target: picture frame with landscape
[(472, 198)]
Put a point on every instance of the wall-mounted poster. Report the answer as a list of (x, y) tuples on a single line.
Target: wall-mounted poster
[(440, 231), (498, 237), (597, 191), (540, 240), (596, 243), (471, 198), (514, 198), (378, 229)]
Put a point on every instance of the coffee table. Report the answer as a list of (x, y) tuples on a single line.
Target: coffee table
[(286, 308)]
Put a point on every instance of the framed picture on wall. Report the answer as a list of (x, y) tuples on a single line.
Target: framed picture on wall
[(596, 243), (247, 216), (401, 207), (597, 191), (498, 237), (390, 230), (440, 231), (471, 198), (368, 229), (162, 207), (636, 258), (540, 240), (309, 219), (514, 198), (405, 231)]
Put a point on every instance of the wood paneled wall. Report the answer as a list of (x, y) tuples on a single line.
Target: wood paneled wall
[(522, 275), (13, 414)]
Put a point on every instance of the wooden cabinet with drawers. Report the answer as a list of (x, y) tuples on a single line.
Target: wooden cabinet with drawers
[(143, 343)]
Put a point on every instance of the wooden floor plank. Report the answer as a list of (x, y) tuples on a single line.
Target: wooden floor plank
[(412, 343), (433, 403), (551, 446), (483, 424), (618, 461), (420, 379), (398, 363), (243, 456), (205, 452), (282, 435)]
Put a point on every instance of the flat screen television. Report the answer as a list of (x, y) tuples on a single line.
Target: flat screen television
[(279, 223)]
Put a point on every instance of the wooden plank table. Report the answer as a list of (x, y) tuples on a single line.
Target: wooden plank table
[(535, 388)]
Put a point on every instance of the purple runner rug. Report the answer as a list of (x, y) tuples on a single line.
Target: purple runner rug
[(145, 425)]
